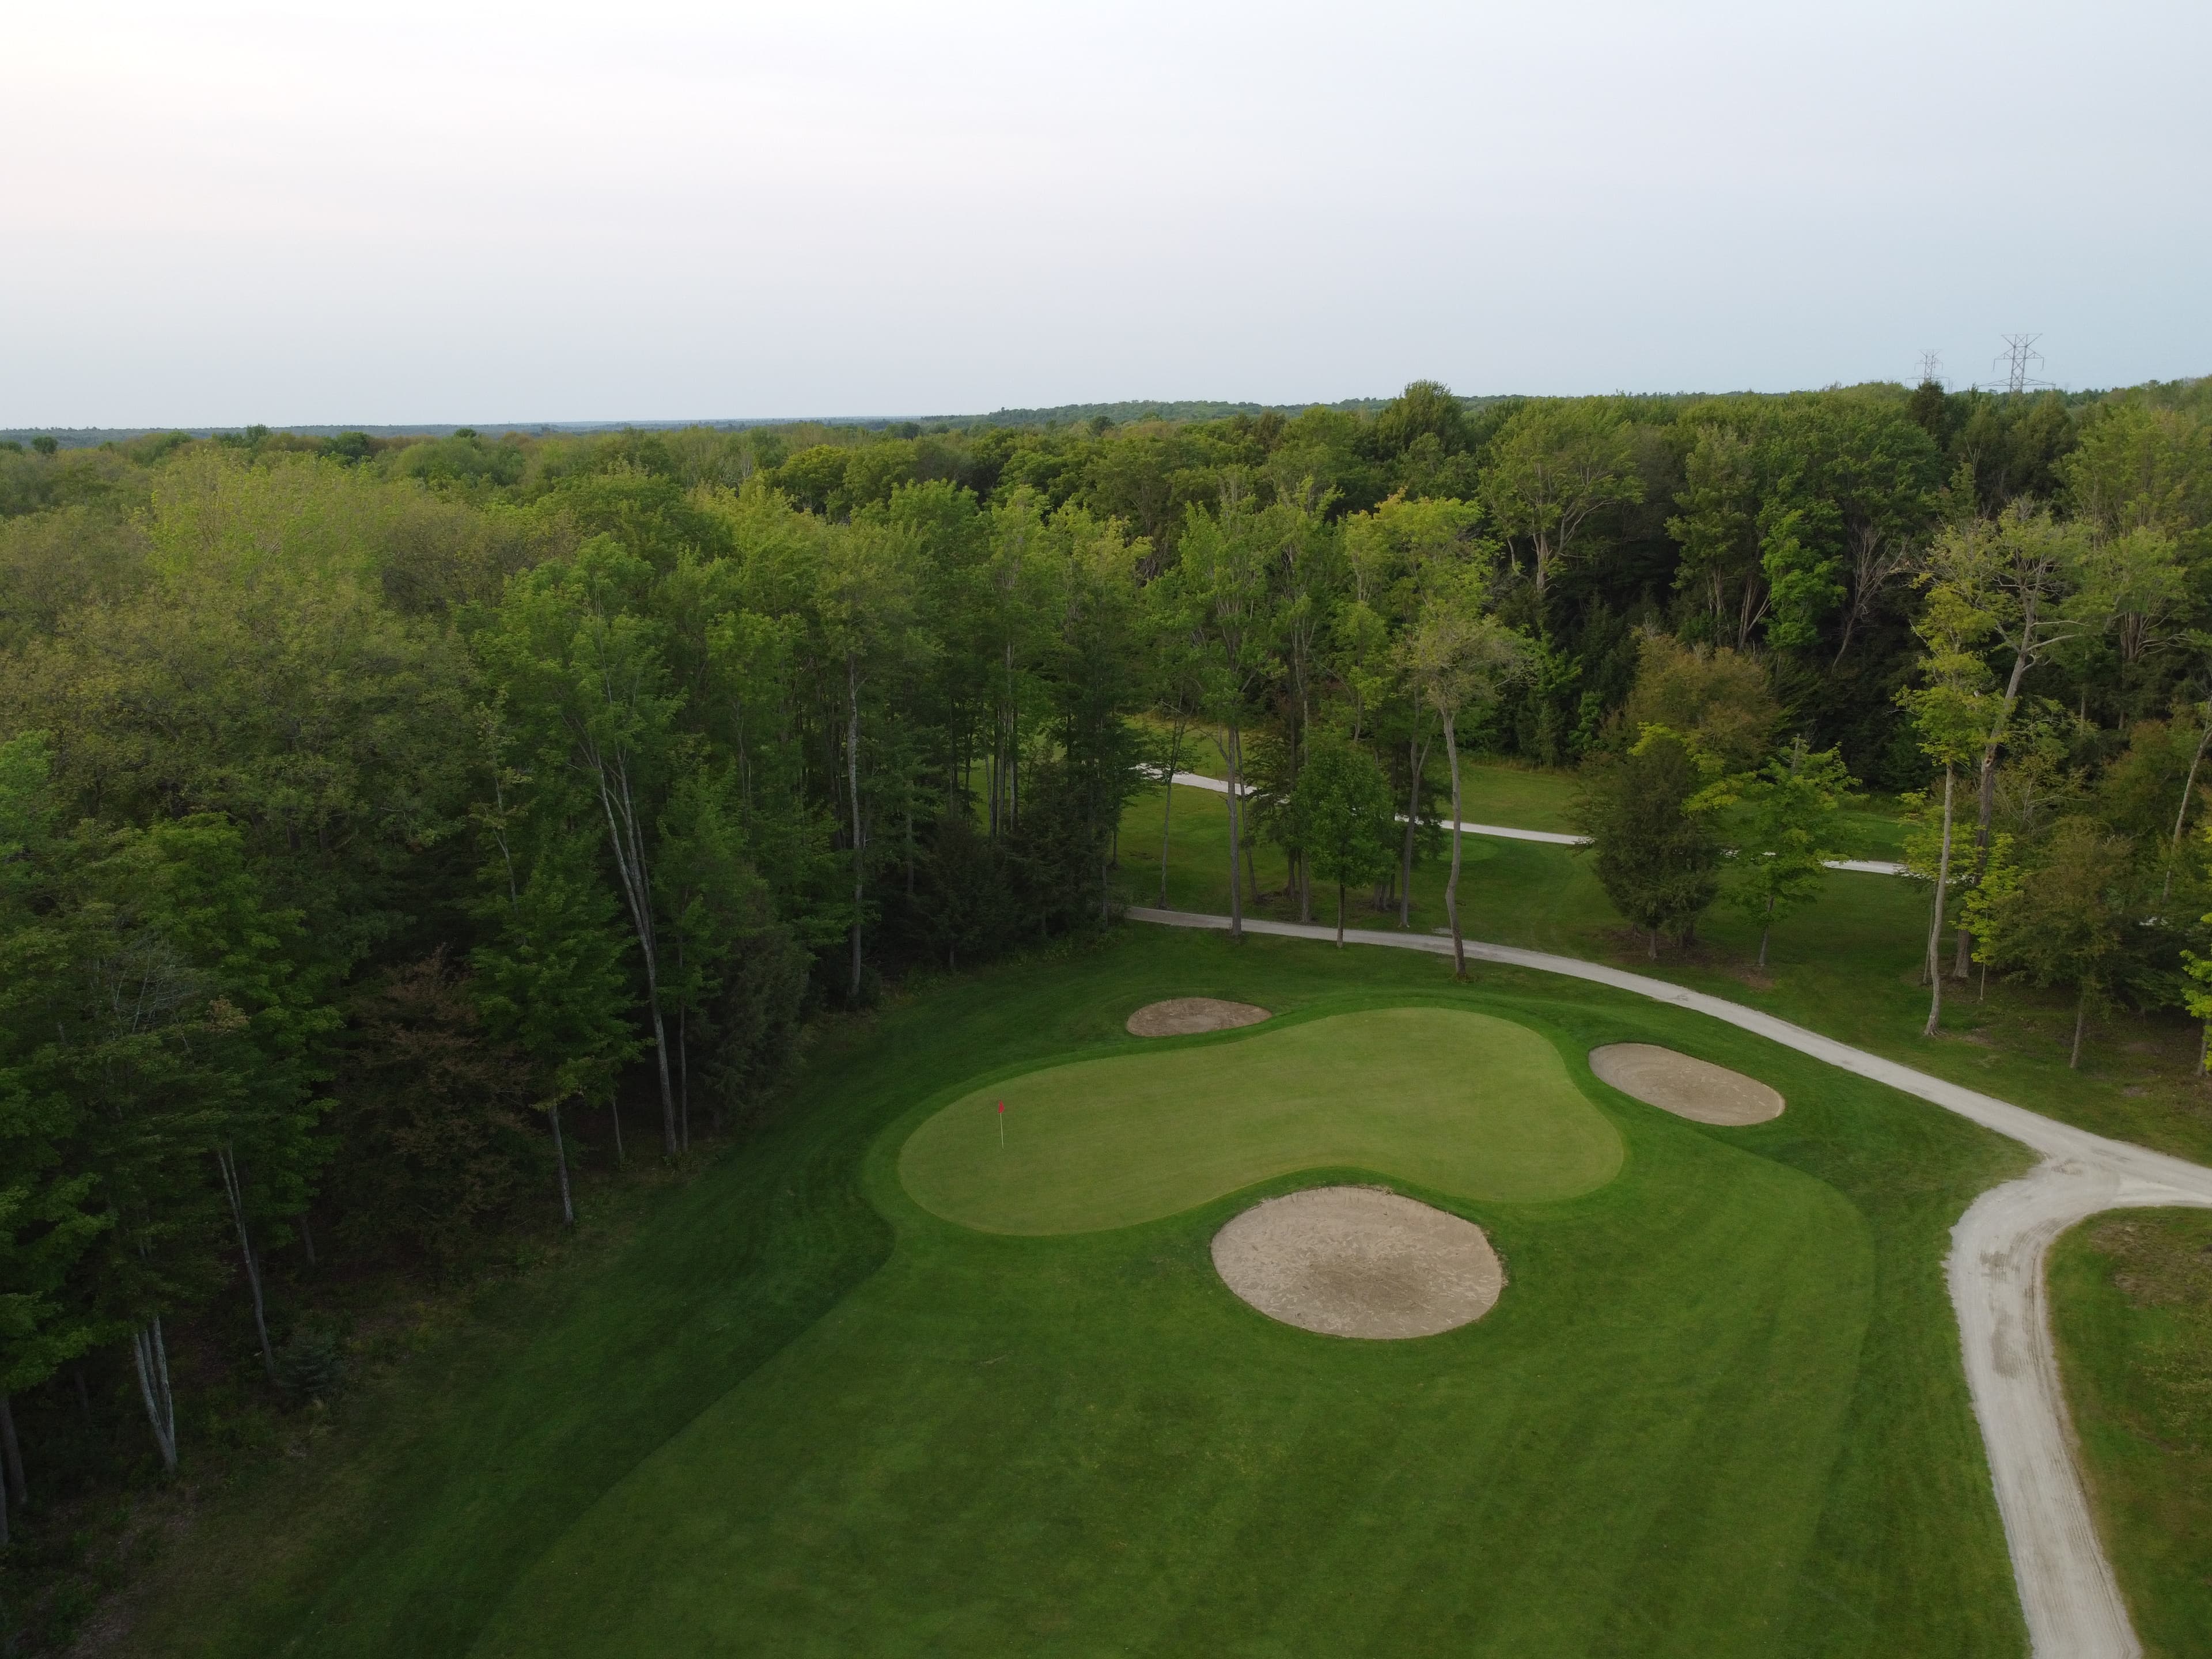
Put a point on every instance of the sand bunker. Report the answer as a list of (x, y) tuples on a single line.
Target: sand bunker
[(1688, 1087), (1358, 1262), (1185, 1015)]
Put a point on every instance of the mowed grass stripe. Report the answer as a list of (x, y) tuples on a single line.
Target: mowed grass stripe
[(1469, 1105), (1085, 1444)]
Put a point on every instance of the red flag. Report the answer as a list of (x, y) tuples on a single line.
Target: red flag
[(1002, 1106)]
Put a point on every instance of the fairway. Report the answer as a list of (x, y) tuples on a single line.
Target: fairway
[(1717, 1411), (1471, 1106)]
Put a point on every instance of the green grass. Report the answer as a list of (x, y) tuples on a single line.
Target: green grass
[(1517, 797), (2131, 1300), (1719, 1410), (1848, 966), (1474, 1107)]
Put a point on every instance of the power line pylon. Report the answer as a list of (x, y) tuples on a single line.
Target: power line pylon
[(2018, 353), (1931, 366)]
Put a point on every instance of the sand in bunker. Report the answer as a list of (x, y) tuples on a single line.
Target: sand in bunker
[(1358, 1262), (1688, 1087), (1186, 1016)]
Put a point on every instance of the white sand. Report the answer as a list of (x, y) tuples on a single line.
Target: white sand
[(1358, 1262), (1186, 1015), (1689, 1088)]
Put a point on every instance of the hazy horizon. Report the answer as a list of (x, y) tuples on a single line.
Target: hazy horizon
[(250, 214)]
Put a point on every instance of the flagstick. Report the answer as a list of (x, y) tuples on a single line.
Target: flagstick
[(1002, 1126)]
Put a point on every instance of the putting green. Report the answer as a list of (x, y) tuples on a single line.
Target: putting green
[(1465, 1104)]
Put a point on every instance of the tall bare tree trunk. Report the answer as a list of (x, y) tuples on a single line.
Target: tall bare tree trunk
[(1935, 929), (11, 1455), (149, 1357), (2080, 1014), (1167, 809), (1233, 754), (561, 1162), (1413, 759), (628, 838), (1451, 882), (226, 1161), (2181, 817), (1340, 915), (1988, 803)]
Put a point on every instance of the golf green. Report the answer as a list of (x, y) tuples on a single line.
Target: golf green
[(1471, 1106)]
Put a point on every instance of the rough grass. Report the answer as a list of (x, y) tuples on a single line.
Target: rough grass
[(1718, 1412), (1474, 1107), (2131, 1301)]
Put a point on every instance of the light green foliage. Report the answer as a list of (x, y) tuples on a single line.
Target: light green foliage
[(2140, 468), (1787, 834), (1345, 825), (1716, 696), (1461, 659), (1803, 587), (1473, 1107), (1552, 466), (1717, 529), (2061, 922)]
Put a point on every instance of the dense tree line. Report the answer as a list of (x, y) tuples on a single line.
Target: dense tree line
[(373, 812)]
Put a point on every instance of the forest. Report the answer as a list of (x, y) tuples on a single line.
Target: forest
[(393, 829)]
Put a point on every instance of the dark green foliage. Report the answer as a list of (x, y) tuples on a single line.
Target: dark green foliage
[(433, 1119), (1657, 859), (312, 1365), (1341, 810)]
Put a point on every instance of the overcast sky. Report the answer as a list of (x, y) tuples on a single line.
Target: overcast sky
[(445, 212)]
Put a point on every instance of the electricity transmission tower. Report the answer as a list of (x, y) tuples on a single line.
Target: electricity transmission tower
[(2019, 353), (1931, 366)]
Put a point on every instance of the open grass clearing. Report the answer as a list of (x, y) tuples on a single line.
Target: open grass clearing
[(1474, 1107), (2131, 1306), (1719, 1411)]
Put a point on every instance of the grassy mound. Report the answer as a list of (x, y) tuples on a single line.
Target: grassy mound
[(1471, 1106)]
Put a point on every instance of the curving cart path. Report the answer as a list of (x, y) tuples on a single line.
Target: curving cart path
[(1503, 832), (1996, 1273)]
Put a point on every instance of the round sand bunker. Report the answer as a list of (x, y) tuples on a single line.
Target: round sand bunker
[(1186, 1016), (1358, 1262), (1688, 1087)]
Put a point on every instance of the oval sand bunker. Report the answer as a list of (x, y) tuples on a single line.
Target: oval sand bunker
[(1689, 1088), (1358, 1262), (1186, 1016)]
